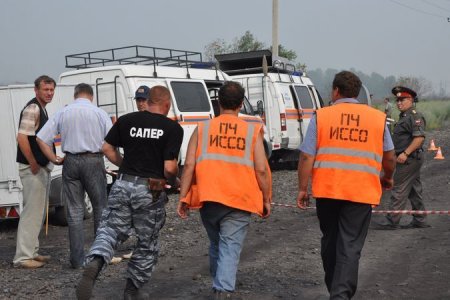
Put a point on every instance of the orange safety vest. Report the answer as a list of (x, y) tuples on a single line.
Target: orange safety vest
[(224, 170), (349, 153)]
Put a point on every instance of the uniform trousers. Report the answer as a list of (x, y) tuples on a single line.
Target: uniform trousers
[(344, 227), (80, 174), (35, 197), (407, 186), (131, 206), (226, 228)]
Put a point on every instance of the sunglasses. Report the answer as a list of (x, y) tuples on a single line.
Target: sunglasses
[(401, 99)]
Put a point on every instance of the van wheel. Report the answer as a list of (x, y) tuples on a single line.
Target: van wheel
[(60, 215)]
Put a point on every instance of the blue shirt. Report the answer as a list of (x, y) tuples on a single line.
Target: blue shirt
[(82, 125), (309, 144)]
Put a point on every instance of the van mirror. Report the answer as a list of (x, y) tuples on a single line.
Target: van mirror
[(260, 107)]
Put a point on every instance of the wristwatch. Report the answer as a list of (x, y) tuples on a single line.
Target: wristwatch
[(406, 153)]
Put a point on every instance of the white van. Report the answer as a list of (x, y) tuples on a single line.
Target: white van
[(117, 73), (284, 97)]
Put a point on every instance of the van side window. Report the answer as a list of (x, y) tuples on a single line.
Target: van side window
[(190, 96), (304, 96)]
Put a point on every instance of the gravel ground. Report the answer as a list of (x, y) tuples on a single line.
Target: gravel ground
[(281, 258)]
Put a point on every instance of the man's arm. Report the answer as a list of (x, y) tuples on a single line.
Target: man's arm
[(112, 154), (48, 152), (388, 164), (170, 168), (415, 144), (305, 166), (188, 173), (262, 174), (24, 145)]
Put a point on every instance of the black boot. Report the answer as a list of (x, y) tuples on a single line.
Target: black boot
[(90, 274), (132, 292)]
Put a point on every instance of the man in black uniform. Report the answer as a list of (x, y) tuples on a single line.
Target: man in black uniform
[(408, 138), (151, 143)]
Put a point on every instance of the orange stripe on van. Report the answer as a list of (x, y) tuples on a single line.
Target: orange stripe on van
[(189, 120), (295, 114)]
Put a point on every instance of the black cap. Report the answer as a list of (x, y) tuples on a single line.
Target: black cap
[(403, 92), (142, 92)]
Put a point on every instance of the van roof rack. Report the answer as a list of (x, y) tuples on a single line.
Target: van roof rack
[(251, 62), (133, 55)]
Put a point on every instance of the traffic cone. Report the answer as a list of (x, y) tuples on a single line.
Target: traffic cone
[(432, 146), (439, 154)]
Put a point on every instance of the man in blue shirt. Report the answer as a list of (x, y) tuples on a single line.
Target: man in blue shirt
[(83, 127)]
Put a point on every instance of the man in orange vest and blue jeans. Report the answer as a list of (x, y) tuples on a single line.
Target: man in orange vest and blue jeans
[(226, 175), (346, 147)]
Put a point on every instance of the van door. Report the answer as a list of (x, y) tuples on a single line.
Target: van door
[(112, 96), (292, 116), (191, 105), (306, 104)]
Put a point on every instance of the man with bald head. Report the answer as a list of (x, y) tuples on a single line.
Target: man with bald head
[(151, 143)]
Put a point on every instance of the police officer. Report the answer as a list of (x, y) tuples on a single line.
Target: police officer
[(151, 143), (408, 137)]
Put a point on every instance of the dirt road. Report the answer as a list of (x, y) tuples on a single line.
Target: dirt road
[(281, 258)]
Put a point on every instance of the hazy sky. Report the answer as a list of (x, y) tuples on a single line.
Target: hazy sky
[(390, 37)]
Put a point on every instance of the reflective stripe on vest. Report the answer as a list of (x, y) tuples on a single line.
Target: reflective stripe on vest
[(348, 166), (246, 160)]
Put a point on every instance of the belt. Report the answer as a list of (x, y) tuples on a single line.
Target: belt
[(131, 178), (85, 153)]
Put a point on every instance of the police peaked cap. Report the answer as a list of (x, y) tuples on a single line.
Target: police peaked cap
[(404, 92)]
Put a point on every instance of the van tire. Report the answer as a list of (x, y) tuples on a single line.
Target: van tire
[(60, 215)]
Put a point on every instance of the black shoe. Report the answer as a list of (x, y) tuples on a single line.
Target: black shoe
[(132, 292), (90, 274), (413, 225)]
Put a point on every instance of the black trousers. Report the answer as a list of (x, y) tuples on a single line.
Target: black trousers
[(344, 227)]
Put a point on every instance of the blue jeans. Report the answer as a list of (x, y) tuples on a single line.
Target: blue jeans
[(226, 228), (80, 174)]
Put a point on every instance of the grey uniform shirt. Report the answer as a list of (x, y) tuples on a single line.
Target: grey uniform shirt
[(411, 124)]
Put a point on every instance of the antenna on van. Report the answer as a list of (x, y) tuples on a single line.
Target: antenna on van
[(264, 65), (187, 68), (217, 66)]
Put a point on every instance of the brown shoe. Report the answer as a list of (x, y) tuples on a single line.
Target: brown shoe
[(29, 264), (42, 258)]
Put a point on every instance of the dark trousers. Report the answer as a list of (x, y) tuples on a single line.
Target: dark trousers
[(80, 174), (407, 186), (344, 226)]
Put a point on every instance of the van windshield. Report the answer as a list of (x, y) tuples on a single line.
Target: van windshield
[(190, 96), (304, 96)]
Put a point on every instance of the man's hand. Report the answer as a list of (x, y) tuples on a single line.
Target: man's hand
[(266, 209), (402, 158), (182, 210), (35, 167), (387, 183), (303, 199), (58, 160)]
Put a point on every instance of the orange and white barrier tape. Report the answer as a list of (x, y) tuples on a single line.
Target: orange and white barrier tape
[(401, 212), (413, 212)]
